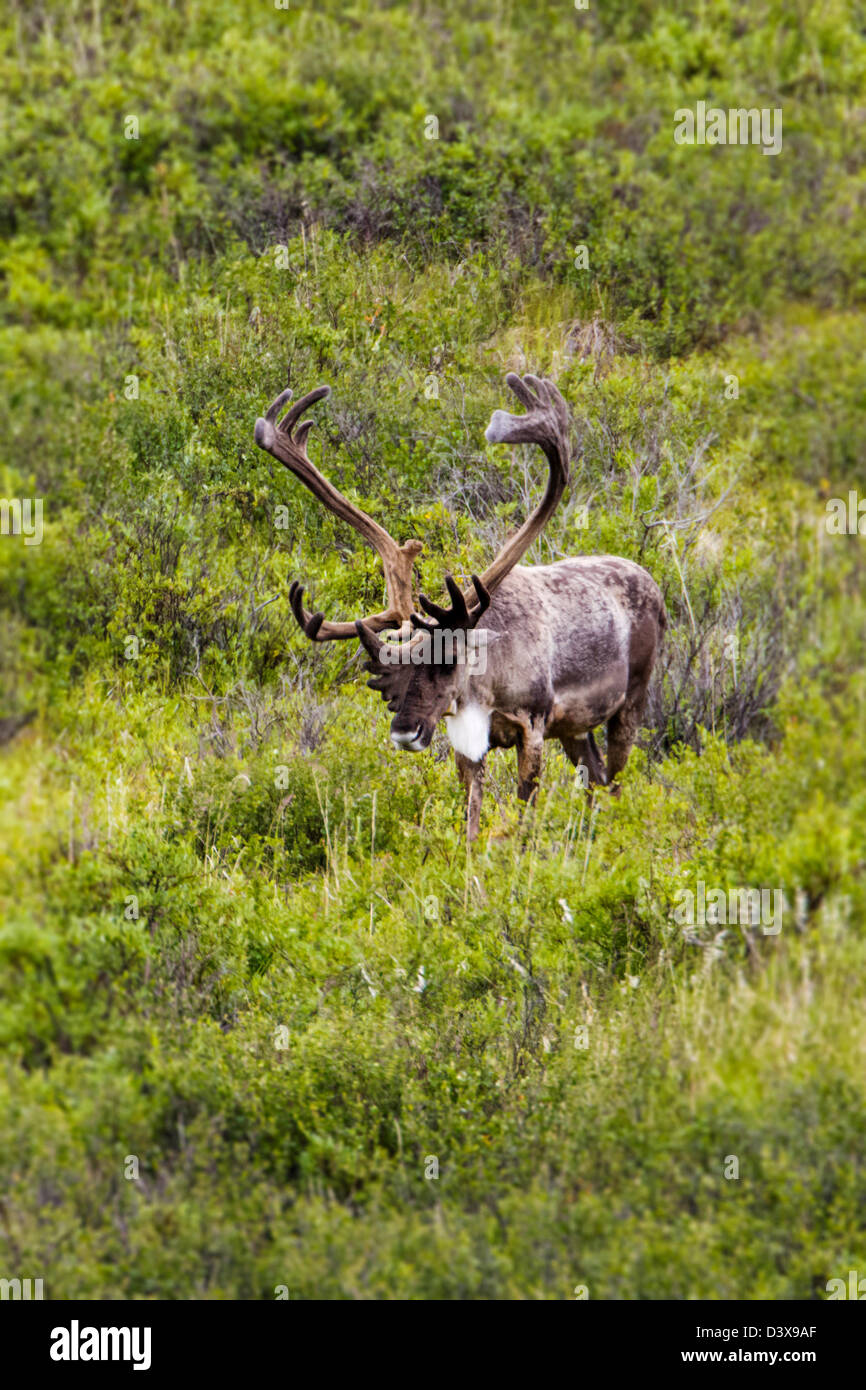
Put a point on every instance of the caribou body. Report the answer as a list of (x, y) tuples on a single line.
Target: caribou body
[(527, 654)]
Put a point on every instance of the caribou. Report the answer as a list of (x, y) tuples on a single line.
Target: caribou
[(562, 649)]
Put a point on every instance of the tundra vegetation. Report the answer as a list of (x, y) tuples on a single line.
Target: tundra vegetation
[(267, 1020)]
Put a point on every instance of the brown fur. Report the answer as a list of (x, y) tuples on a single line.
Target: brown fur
[(573, 647)]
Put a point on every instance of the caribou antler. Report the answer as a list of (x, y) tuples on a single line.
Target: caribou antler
[(546, 424), (277, 438)]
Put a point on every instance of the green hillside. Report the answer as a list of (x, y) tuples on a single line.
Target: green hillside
[(267, 1022)]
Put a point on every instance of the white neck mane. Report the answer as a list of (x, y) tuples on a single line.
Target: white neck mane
[(469, 731)]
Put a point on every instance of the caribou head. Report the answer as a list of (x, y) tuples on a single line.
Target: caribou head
[(423, 677), (576, 640)]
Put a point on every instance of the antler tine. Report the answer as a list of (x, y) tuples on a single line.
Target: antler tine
[(483, 595), (523, 388), (297, 410), (287, 444), (420, 624), (455, 616), (276, 406), (309, 623), (459, 615)]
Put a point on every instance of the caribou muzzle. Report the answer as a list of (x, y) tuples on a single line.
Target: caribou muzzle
[(413, 740)]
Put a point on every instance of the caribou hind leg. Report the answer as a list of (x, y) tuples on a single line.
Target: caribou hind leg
[(623, 726), (622, 729), (597, 761), (583, 752)]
